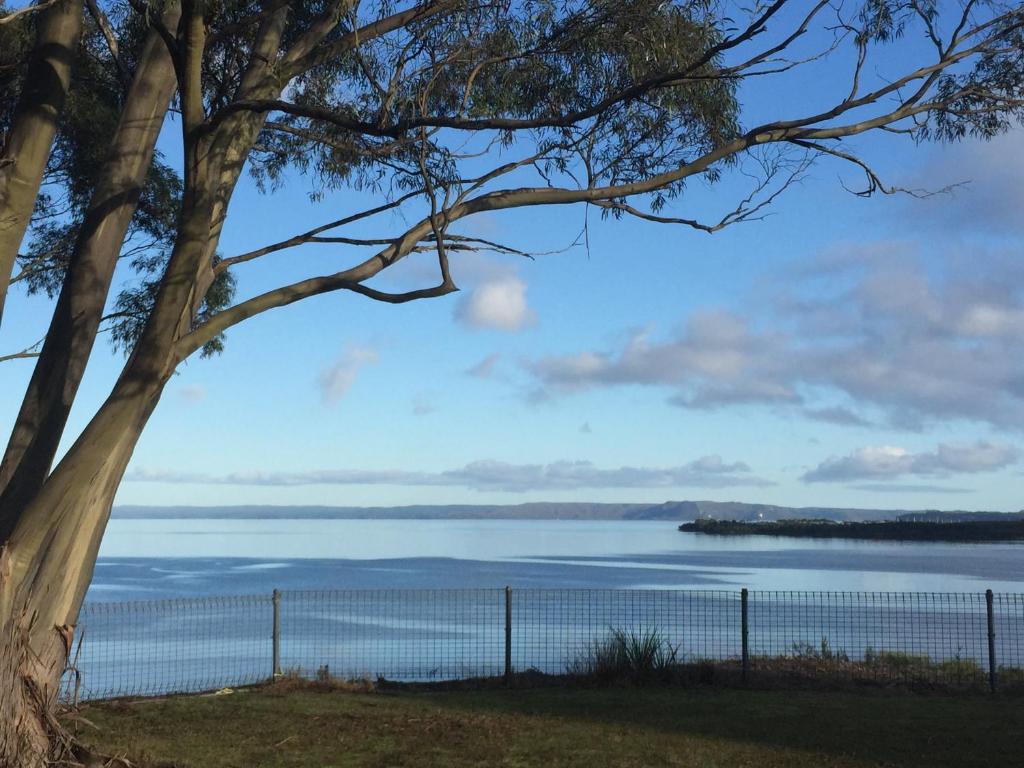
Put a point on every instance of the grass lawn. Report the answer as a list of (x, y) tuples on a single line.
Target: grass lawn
[(705, 727)]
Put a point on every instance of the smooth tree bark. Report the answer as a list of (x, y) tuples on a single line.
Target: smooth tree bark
[(51, 533), (34, 126), (80, 303), (52, 521)]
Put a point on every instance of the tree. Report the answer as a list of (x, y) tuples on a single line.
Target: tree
[(33, 126), (443, 110)]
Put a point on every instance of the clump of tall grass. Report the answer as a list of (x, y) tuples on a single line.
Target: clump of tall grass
[(297, 678), (626, 655), (823, 652), (955, 670)]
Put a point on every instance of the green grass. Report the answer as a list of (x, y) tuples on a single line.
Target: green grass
[(702, 727)]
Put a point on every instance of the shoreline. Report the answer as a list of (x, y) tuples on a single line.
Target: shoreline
[(965, 532)]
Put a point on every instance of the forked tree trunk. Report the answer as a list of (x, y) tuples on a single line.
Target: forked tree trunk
[(48, 559), (47, 564), (76, 319), (27, 149)]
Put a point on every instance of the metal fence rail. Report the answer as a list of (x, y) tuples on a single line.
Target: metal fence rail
[(155, 647)]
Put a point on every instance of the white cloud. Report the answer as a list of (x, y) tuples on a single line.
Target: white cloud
[(490, 475), (335, 380), (980, 320), (885, 335), (498, 303), (715, 360), (884, 462)]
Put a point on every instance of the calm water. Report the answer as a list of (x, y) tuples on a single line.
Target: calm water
[(578, 572), (145, 559)]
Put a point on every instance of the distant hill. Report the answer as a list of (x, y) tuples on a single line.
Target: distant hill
[(676, 511)]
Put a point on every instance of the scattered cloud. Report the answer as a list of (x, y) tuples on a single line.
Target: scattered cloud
[(910, 344), (311, 477), (987, 197), (152, 475), (485, 368), (707, 472), (422, 405), (335, 380), (837, 415), (192, 393), (717, 359), (490, 475), (909, 488), (497, 303), (883, 462)]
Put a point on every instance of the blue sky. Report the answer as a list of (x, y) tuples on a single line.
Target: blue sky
[(842, 352)]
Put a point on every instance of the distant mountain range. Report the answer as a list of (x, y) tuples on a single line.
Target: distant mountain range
[(677, 511)]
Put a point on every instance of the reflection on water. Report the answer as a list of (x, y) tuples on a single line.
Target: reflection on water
[(170, 558)]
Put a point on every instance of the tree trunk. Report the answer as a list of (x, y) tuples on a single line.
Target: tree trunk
[(46, 566), (48, 559), (29, 738), (24, 157), (79, 310)]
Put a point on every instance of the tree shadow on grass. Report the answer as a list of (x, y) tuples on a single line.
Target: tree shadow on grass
[(877, 728)]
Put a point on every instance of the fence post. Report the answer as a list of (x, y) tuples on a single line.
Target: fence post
[(744, 628), (991, 641), (276, 601), (508, 635)]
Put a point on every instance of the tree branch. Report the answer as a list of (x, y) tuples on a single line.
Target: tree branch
[(566, 120), (306, 237), (746, 210), (111, 40), (13, 15), (874, 182), (29, 352), (154, 20), (309, 51), (807, 132)]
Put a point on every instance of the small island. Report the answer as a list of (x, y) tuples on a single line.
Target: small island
[(884, 530)]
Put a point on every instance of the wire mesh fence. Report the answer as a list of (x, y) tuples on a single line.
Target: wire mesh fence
[(1009, 639), (554, 630), (403, 634), (886, 636), (157, 647), (160, 646)]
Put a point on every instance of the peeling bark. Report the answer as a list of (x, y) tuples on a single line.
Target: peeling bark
[(30, 736)]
